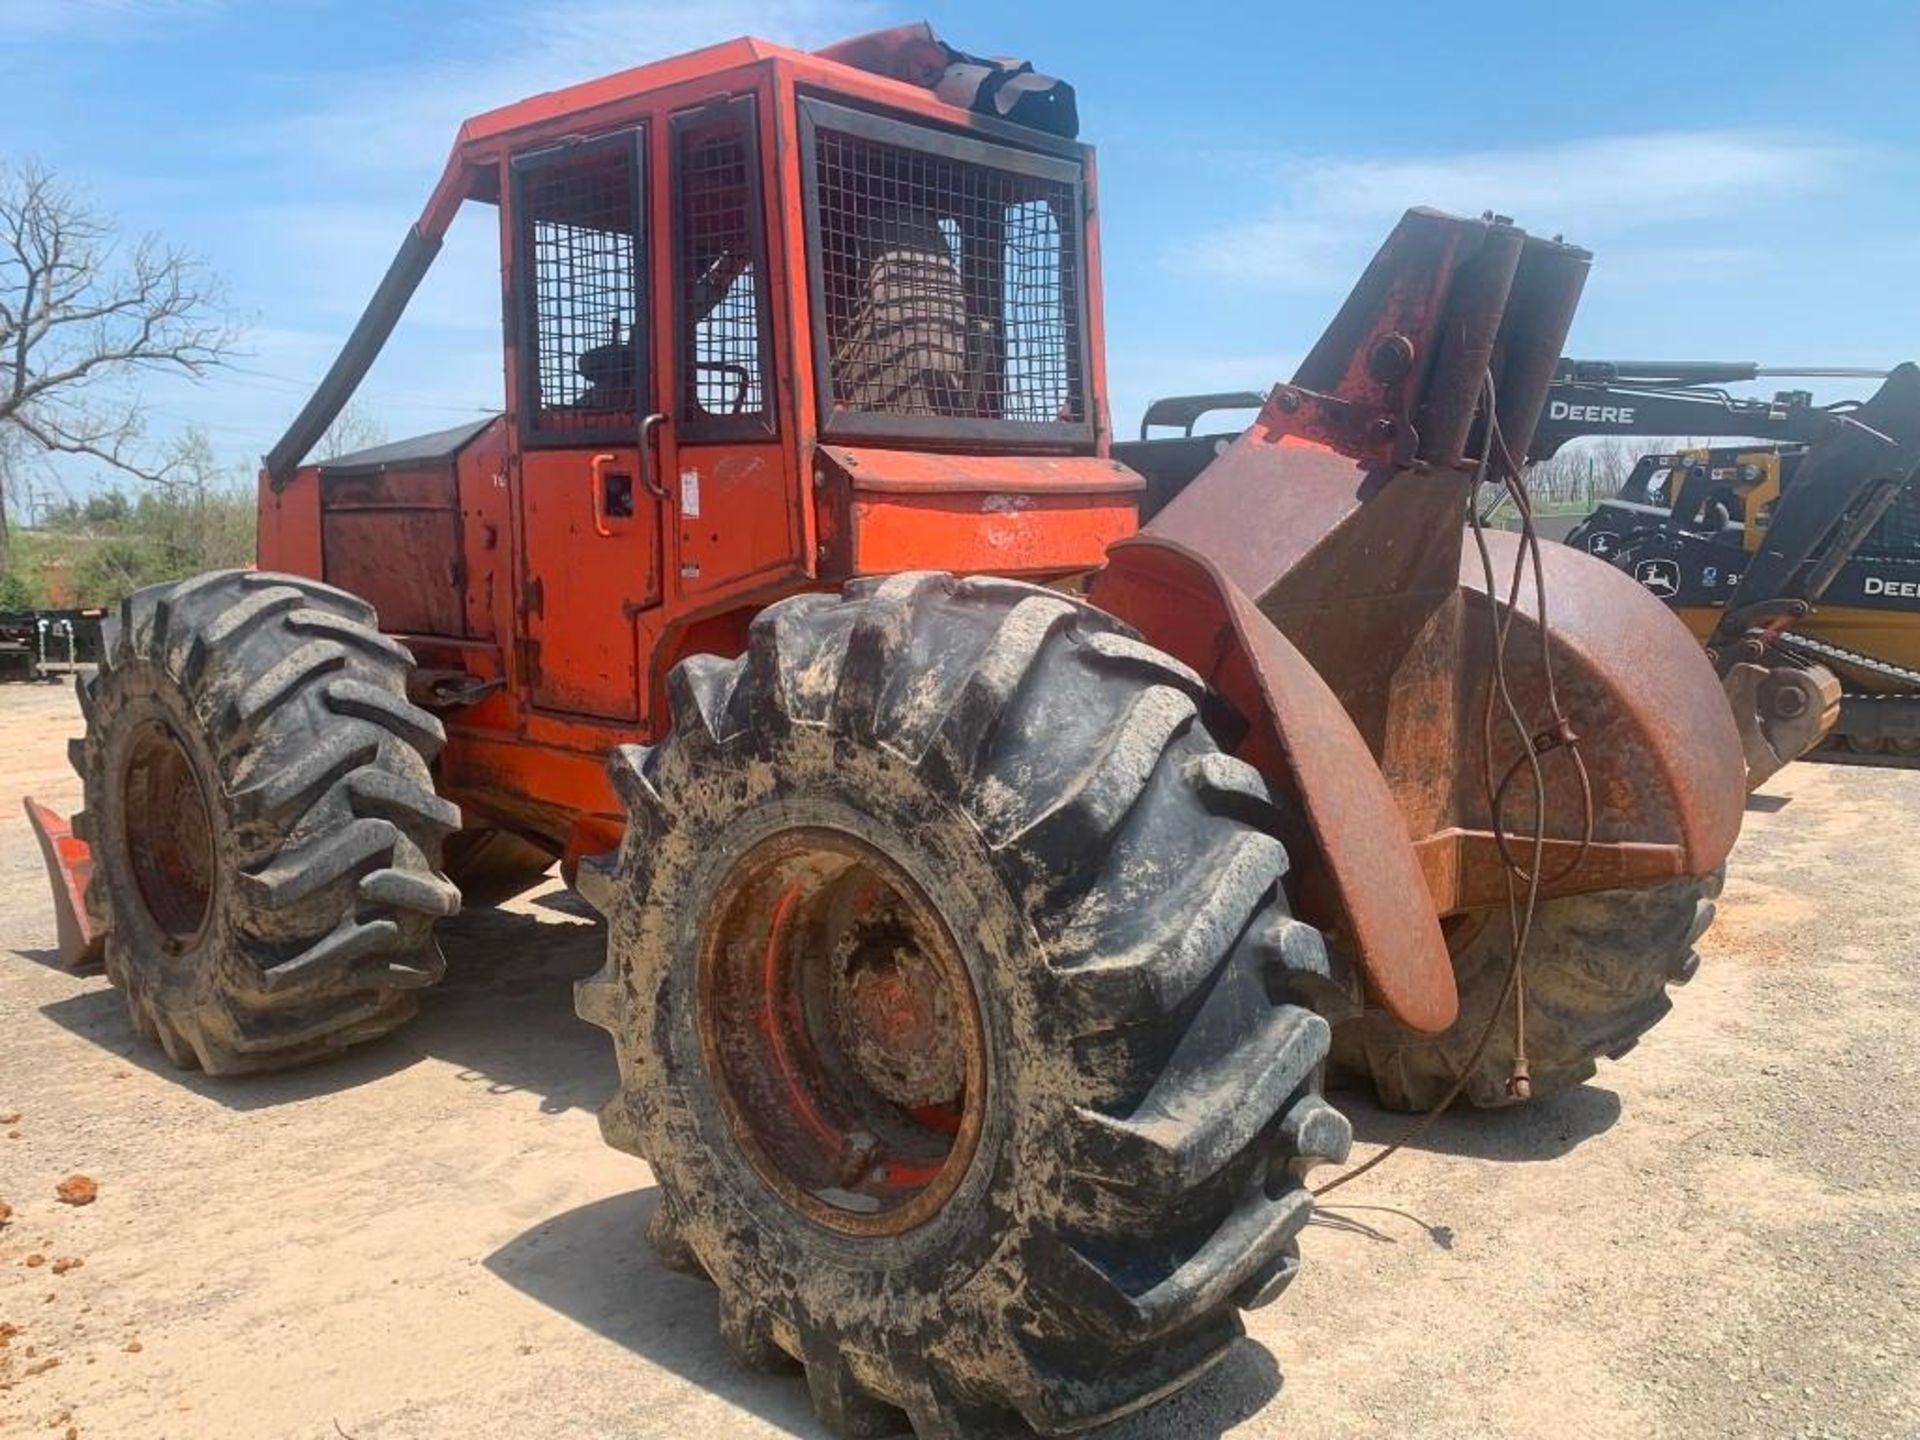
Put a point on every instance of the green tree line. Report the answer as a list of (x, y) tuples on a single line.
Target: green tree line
[(95, 550)]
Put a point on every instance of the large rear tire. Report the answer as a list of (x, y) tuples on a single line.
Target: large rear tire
[(265, 832), (1598, 968), (959, 1011)]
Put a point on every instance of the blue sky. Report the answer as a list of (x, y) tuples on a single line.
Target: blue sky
[(1746, 173)]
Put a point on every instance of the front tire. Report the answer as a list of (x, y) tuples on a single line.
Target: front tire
[(265, 832), (958, 1009), (1597, 968)]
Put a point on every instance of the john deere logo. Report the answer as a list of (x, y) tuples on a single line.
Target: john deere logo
[(1662, 577), (1591, 414), (1603, 543)]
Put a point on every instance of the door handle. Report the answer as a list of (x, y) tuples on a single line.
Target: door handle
[(649, 478), (597, 488)]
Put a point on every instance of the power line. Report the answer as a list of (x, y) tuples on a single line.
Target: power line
[(296, 385)]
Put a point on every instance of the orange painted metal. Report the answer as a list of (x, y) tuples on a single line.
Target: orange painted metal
[(1034, 535), (487, 535), (69, 867), (1039, 515), (582, 627), (289, 534), (582, 590)]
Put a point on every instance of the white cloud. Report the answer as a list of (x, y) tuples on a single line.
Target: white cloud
[(1333, 210), (1610, 178)]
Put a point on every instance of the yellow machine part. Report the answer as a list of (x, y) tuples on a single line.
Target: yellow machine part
[(1889, 635), (1892, 636)]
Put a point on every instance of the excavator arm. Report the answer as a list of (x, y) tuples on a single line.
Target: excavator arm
[(1848, 464), (1858, 457)]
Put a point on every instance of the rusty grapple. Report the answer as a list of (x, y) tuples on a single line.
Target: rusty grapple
[(988, 879)]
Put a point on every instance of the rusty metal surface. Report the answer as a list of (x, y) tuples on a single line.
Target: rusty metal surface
[(69, 867), (1356, 873), (1334, 528), (837, 1016), (1657, 734)]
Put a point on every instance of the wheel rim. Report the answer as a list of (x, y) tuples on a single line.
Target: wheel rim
[(167, 834), (838, 1021)]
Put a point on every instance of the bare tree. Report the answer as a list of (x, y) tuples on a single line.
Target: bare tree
[(83, 319), (1589, 470), (354, 428)]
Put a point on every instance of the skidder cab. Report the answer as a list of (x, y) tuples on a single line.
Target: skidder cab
[(974, 949)]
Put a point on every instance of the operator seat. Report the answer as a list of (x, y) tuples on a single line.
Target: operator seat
[(905, 351)]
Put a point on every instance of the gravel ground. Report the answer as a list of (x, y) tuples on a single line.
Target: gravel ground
[(1721, 1237)]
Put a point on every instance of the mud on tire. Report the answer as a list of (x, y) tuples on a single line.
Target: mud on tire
[(1125, 1154), (265, 832), (1598, 968)]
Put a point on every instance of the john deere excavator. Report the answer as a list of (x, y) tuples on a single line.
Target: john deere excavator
[(987, 874)]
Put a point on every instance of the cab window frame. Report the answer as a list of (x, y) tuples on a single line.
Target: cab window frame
[(628, 146)]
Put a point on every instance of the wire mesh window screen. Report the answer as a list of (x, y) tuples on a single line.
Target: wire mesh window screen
[(722, 273), (950, 286), (583, 262), (1897, 535)]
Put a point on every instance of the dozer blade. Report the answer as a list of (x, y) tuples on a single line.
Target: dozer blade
[(69, 867)]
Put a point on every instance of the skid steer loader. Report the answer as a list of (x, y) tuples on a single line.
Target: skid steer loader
[(986, 876), (1795, 563)]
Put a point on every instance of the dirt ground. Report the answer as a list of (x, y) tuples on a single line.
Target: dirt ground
[(1721, 1237)]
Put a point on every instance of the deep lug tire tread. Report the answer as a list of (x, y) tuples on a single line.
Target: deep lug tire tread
[(327, 829), (1160, 1184), (1598, 970)]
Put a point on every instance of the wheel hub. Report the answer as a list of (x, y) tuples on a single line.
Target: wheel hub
[(893, 1015), (167, 834), (839, 1024)]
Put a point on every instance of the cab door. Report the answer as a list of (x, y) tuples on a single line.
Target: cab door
[(590, 503), (733, 497)]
